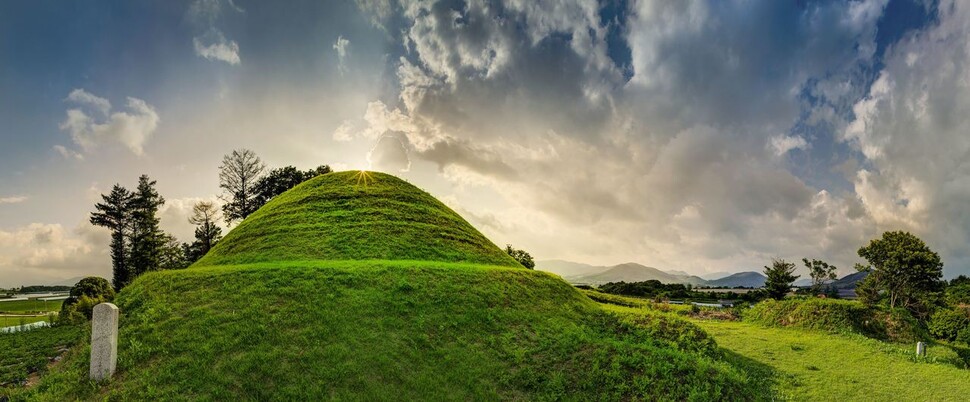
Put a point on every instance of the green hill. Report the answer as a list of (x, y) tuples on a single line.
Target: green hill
[(355, 216), (366, 288)]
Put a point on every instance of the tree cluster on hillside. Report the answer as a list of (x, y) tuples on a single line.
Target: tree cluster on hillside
[(245, 188), (138, 245), (521, 256)]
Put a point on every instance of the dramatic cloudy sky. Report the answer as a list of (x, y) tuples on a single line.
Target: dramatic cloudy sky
[(694, 135)]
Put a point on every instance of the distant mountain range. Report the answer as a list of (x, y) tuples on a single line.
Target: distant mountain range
[(741, 279), (575, 272), (633, 272)]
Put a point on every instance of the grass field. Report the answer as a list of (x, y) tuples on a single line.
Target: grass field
[(6, 321), (813, 366), (30, 306)]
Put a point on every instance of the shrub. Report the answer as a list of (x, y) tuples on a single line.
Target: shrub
[(964, 335), (86, 294), (947, 324), (839, 316)]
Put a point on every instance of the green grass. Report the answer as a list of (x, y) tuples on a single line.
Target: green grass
[(385, 330), (812, 365), (838, 316), (23, 353), (30, 306), (363, 287), (355, 216)]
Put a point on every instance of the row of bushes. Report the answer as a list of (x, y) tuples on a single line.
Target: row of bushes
[(840, 316)]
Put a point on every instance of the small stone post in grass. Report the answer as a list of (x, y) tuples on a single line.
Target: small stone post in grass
[(104, 341), (920, 349)]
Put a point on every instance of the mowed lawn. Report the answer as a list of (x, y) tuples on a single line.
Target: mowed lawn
[(29, 306), (808, 365)]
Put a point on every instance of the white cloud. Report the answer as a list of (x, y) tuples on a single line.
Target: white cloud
[(342, 46), (12, 200), (676, 167), (42, 253), (83, 97), (132, 128), (67, 153), (344, 132), (781, 144), (214, 46), (912, 128)]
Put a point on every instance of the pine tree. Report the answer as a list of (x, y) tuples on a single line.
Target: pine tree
[(779, 278), (147, 238), (114, 214)]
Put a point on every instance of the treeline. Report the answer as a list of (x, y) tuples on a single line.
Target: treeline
[(648, 289), (138, 244), (654, 289), (34, 289)]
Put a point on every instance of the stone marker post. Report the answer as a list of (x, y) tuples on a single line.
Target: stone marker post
[(104, 341), (920, 349)]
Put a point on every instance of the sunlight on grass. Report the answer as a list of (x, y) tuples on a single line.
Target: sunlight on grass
[(364, 178)]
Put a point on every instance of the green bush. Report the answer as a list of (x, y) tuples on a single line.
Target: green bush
[(958, 294), (964, 335), (86, 294), (839, 316), (946, 324)]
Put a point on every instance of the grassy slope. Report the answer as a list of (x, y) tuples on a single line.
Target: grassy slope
[(386, 331), (355, 216), (810, 365)]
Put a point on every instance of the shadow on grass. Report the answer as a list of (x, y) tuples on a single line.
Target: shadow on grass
[(763, 378)]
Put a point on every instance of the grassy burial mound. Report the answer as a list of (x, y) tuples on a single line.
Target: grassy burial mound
[(355, 216), (364, 287)]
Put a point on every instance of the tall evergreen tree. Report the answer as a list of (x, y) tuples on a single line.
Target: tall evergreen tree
[(780, 276), (114, 214), (147, 239)]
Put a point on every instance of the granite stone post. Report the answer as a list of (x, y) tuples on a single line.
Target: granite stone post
[(920, 349), (104, 341)]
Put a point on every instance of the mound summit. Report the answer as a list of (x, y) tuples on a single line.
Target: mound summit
[(355, 216), (361, 286)]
